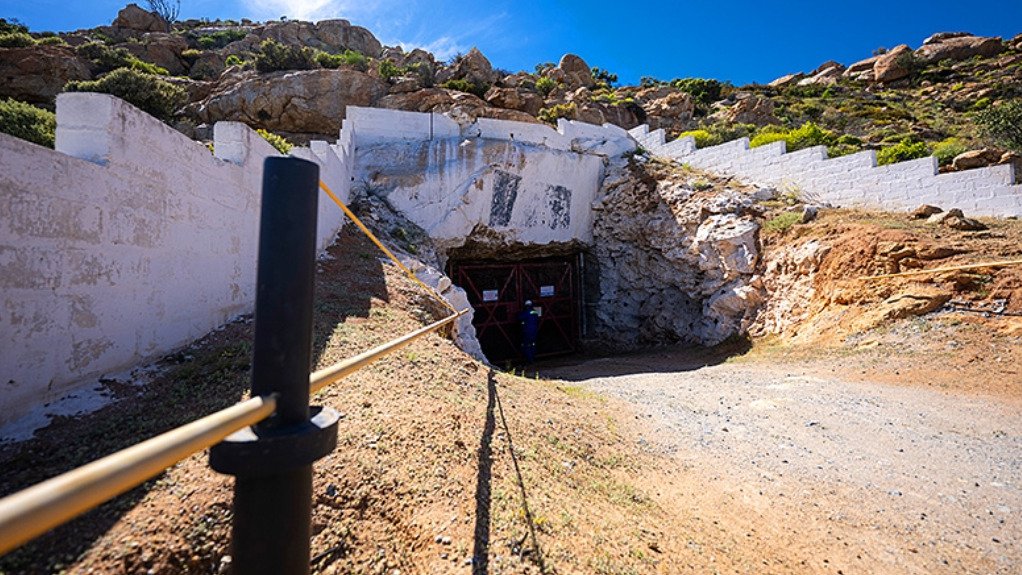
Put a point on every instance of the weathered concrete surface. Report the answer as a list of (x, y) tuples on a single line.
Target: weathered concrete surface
[(126, 242)]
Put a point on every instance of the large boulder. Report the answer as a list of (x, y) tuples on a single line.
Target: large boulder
[(577, 74), (861, 70), (512, 99), (626, 116), (959, 48), (131, 18), (428, 100), (161, 49), (308, 101), (340, 35), (673, 112), (328, 35), (750, 110), (976, 159), (473, 67), (38, 73), (827, 73), (893, 65), (786, 80), (941, 36)]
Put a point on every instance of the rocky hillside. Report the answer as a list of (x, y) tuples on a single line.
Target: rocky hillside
[(295, 78)]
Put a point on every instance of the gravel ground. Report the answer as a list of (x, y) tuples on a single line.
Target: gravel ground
[(830, 475)]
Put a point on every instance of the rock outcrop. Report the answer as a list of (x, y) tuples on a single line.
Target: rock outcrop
[(893, 65), (675, 264), (957, 48), (37, 74), (577, 74), (309, 101), (674, 111), (749, 109), (472, 67), (131, 18), (329, 35)]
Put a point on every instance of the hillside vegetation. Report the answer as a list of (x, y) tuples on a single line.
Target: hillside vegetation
[(953, 94)]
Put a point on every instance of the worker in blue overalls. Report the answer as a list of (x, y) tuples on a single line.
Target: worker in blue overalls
[(529, 318)]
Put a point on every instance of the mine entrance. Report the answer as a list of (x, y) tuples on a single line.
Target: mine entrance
[(498, 292)]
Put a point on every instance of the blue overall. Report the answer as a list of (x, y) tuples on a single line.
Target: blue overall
[(530, 329)]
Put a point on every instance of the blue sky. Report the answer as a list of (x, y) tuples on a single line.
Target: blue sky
[(738, 40)]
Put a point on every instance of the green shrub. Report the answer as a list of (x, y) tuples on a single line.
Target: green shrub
[(191, 54), (946, 150), (16, 40), (545, 85), (51, 41), (279, 142), (220, 38), (466, 86), (703, 137), (704, 91), (12, 25), (554, 113), (389, 70), (902, 151), (603, 77), (149, 93), (981, 104), (275, 56), (105, 59), (782, 222), (809, 134), (27, 122), (351, 58), (1003, 124)]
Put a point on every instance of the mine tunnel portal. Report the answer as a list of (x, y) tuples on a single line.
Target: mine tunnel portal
[(498, 291)]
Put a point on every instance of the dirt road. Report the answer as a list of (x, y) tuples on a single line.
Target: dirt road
[(824, 475)]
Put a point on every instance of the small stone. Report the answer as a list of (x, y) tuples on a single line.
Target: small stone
[(925, 211), (809, 213), (964, 224)]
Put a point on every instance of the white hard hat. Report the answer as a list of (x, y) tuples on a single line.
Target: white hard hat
[(528, 302)]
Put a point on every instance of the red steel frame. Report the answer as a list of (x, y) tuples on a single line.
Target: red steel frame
[(498, 320)]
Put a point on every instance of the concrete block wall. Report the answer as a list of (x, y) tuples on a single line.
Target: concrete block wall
[(373, 125), (853, 180), (126, 242)]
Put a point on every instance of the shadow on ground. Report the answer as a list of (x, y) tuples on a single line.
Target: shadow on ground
[(672, 359)]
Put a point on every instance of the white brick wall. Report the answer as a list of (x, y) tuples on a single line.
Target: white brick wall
[(853, 180), (126, 242)]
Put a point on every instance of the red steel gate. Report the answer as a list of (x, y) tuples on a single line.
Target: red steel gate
[(498, 291)]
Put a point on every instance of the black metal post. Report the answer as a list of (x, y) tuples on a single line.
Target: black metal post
[(273, 459)]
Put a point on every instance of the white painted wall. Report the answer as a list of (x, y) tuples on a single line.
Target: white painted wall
[(853, 180), (526, 183), (126, 242)]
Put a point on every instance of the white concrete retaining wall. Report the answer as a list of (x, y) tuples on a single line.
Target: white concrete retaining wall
[(853, 180), (526, 183), (127, 241)]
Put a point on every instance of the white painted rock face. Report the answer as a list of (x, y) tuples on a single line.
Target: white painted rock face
[(453, 187)]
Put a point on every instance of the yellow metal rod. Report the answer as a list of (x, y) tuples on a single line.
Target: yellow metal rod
[(29, 513), (947, 269), (383, 248), (324, 377)]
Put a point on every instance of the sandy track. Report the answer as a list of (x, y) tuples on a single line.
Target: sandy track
[(825, 475)]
